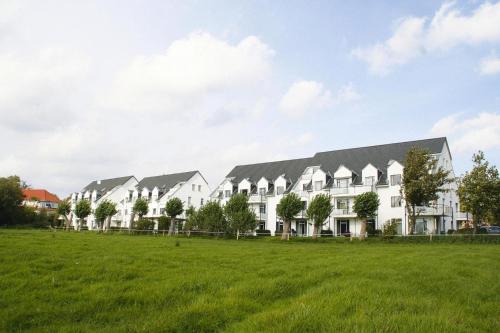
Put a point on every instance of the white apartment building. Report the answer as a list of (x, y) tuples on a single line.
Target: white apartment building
[(113, 189), (190, 187), (344, 174)]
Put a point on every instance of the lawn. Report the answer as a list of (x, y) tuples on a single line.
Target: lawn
[(86, 282)]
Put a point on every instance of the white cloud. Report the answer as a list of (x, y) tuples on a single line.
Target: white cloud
[(188, 70), (414, 36), (481, 132), (490, 66), (305, 96), (36, 92)]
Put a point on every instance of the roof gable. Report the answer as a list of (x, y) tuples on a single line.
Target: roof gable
[(165, 182), (106, 184)]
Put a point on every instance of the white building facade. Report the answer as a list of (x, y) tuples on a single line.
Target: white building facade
[(344, 174)]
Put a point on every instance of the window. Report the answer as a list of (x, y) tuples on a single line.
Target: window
[(193, 187), (262, 208), (129, 195), (245, 191), (280, 190), (395, 180), (342, 204), (126, 211), (201, 202), (221, 194), (318, 185), (304, 205), (228, 193), (369, 181), (162, 211), (343, 182), (154, 211), (189, 201), (262, 191), (396, 201), (199, 188), (421, 226), (304, 187), (262, 225), (279, 226), (399, 226)]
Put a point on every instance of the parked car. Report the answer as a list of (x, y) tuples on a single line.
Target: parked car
[(490, 230)]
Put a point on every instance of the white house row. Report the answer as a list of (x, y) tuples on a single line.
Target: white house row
[(343, 174), (190, 187)]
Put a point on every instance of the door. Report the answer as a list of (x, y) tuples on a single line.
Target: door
[(343, 227)]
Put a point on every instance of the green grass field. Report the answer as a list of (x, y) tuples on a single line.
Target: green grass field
[(86, 282)]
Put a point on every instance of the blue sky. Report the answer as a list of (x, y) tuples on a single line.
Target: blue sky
[(97, 89)]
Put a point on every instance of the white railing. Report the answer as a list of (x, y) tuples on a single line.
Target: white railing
[(342, 212)]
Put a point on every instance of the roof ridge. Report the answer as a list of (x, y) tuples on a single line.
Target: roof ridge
[(381, 145), (289, 160)]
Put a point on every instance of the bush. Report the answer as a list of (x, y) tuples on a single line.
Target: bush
[(390, 229), (263, 233), (377, 232), (450, 231), (144, 224), (327, 233), (278, 233), (465, 231), (163, 223)]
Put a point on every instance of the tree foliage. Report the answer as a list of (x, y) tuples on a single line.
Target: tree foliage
[(479, 191), (173, 208), (365, 206), (318, 211), (82, 210), (104, 211), (239, 215), (140, 207), (422, 181), (288, 207), (11, 197), (64, 209), (210, 218)]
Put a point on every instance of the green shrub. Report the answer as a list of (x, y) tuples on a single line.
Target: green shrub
[(390, 229), (327, 233), (144, 224), (263, 233), (163, 223)]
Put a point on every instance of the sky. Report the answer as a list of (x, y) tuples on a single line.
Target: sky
[(101, 89)]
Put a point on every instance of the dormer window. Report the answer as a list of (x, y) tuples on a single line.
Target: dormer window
[(262, 191), (369, 181), (280, 190), (395, 180), (342, 182), (193, 187), (318, 185), (245, 191)]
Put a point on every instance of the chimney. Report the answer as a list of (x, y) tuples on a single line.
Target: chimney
[(98, 182)]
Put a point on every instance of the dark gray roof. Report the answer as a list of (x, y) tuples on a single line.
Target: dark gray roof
[(292, 169), (165, 182), (379, 156), (354, 159), (105, 185)]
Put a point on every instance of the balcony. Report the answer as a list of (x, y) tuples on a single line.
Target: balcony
[(463, 216), (256, 198), (432, 211), (351, 190), (343, 212)]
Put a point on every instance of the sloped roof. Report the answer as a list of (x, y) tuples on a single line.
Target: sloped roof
[(379, 156), (354, 159), (106, 184), (292, 169), (165, 182), (40, 194)]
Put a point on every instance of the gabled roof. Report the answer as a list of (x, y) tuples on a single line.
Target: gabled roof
[(379, 156), (40, 194), (355, 159), (106, 184), (292, 169), (165, 182)]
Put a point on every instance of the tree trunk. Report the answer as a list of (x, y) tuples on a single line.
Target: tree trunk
[(412, 219), (172, 226), (131, 222), (108, 223), (286, 230), (362, 232), (315, 231), (66, 222)]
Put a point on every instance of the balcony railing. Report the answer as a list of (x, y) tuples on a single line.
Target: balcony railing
[(351, 190), (343, 212)]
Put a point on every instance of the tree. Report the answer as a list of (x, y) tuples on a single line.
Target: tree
[(239, 216), (11, 198), (82, 210), (64, 209), (104, 212), (210, 218), (288, 207), (140, 208), (173, 208), (422, 182), (365, 206), (318, 211), (478, 190)]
